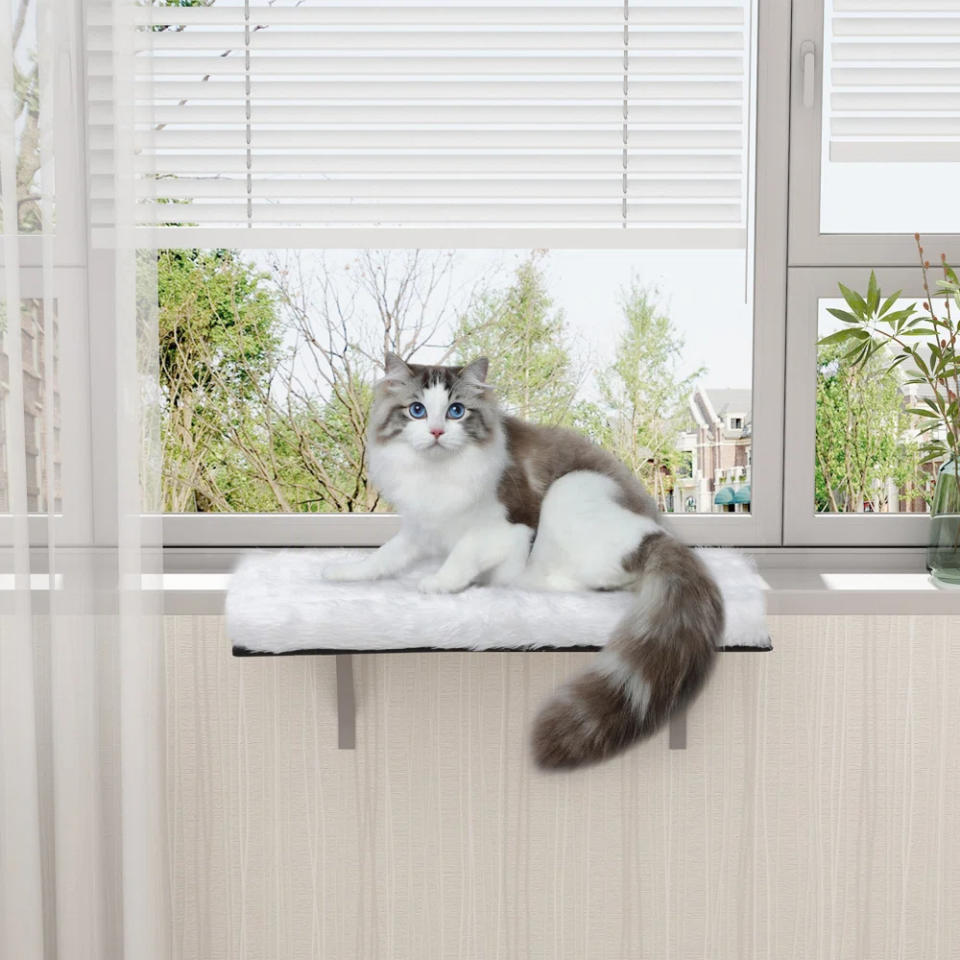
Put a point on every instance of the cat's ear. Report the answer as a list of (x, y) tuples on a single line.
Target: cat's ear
[(476, 372), (395, 368)]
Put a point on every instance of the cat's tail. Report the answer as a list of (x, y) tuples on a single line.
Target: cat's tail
[(657, 660)]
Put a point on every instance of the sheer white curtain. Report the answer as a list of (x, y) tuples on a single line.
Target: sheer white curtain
[(83, 868)]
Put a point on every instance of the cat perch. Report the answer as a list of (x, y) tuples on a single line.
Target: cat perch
[(279, 604)]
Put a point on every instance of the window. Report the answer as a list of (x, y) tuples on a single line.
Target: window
[(301, 160), (875, 145), (597, 159), (288, 342), (299, 163)]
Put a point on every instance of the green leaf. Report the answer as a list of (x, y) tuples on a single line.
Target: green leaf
[(899, 315), (897, 361), (873, 294), (918, 360), (841, 336), (856, 303), (843, 315), (920, 412), (889, 302)]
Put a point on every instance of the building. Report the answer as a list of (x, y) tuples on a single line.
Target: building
[(35, 418), (720, 451)]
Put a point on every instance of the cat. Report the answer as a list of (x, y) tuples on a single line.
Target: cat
[(503, 501)]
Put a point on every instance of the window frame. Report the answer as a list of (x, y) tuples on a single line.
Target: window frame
[(763, 525), (817, 262), (803, 526), (808, 247)]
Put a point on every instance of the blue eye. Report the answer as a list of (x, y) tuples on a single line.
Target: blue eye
[(417, 410), (456, 410)]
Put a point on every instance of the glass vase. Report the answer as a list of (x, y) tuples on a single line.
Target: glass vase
[(943, 554)]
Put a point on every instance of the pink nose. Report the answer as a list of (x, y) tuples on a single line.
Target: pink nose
[(437, 432)]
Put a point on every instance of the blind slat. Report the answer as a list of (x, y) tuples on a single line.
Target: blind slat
[(600, 14), (911, 26), (540, 188), (262, 41), (894, 151), (872, 77), (503, 115), (892, 52), (893, 102), (417, 91), (906, 8), (452, 66), (651, 163), (701, 138), (439, 213)]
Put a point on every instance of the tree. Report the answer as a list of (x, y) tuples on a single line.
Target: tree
[(646, 393), (341, 321), (267, 376), (26, 91), (218, 350), (528, 346), (861, 435)]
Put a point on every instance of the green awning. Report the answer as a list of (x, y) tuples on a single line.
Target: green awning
[(742, 495), (725, 496)]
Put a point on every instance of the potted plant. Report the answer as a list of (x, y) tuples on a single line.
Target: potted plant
[(925, 340)]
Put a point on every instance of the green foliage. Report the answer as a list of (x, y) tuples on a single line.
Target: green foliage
[(862, 435), (266, 388), (218, 346), (922, 341), (647, 394), (528, 346)]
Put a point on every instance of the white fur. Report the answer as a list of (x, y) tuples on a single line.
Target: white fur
[(279, 601), (448, 501), (610, 664), (583, 536)]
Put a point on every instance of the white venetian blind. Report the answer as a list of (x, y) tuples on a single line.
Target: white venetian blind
[(894, 80), (622, 122)]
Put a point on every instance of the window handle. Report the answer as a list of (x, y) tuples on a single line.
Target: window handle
[(808, 71)]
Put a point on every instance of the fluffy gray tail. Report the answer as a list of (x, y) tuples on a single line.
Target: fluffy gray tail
[(657, 661)]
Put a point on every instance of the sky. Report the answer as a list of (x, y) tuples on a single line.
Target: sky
[(702, 292)]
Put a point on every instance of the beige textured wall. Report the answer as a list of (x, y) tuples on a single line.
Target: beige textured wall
[(814, 815)]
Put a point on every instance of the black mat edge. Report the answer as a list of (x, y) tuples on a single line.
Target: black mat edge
[(239, 651)]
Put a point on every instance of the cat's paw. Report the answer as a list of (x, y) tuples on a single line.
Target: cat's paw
[(345, 572), (438, 584)]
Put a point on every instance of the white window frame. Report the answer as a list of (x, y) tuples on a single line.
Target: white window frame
[(808, 246), (817, 262), (763, 525), (803, 526)]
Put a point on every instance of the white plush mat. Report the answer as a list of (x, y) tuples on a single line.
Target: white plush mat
[(278, 602)]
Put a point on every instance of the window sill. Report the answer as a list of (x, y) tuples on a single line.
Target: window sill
[(800, 582)]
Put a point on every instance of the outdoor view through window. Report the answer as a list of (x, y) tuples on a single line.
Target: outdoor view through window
[(870, 441), (268, 361)]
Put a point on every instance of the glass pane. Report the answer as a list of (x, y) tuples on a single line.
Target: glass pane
[(869, 454), (268, 360), (890, 152), (37, 419), (26, 120)]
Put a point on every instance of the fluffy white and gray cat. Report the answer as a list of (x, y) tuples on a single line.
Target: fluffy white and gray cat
[(502, 501)]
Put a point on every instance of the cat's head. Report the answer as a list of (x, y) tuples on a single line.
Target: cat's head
[(433, 409)]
